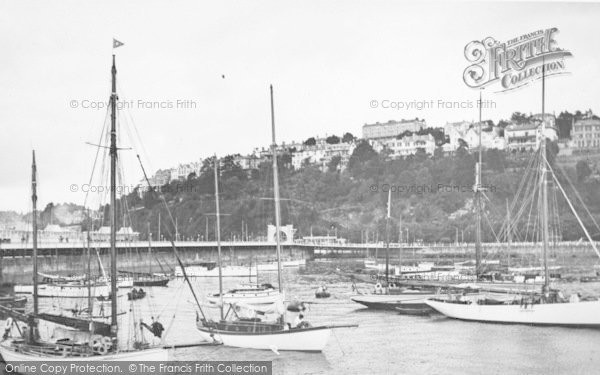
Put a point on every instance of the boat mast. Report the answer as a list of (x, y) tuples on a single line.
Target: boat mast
[(508, 234), (387, 238), (400, 245), (34, 234), (478, 201), (276, 194), (89, 268), (544, 173), (218, 216), (113, 200), (149, 250)]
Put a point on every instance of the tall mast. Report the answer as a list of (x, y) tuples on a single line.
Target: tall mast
[(89, 268), (276, 193), (35, 232), (544, 180), (387, 237), (113, 200), (149, 250), (400, 245), (508, 233), (218, 216), (478, 201)]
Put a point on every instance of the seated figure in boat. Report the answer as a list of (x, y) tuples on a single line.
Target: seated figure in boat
[(379, 289), (156, 327), (300, 323)]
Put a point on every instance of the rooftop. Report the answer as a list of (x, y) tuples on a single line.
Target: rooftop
[(393, 122)]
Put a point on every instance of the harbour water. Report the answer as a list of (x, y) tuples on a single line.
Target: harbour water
[(384, 342)]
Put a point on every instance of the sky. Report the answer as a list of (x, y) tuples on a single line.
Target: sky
[(327, 61)]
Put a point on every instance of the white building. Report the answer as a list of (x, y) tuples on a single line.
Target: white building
[(526, 137), (392, 128), (456, 131), (409, 145), (585, 134), (184, 170), (490, 138), (322, 153)]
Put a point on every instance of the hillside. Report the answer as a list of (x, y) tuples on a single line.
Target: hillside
[(432, 198)]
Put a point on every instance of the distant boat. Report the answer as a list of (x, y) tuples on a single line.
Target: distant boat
[(208, 271), (390, 302), (272, 266), (145, 279), (67, 290)]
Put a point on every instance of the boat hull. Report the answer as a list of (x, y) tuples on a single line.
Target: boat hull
[(229, 271), (10, 355), (390, 302), (152, 282), (272, 266), (255, 298), (305, 340), (416, 311), (580, 314), (66, 291)]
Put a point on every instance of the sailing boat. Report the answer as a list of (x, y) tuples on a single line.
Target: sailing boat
[(549, 308), (253, 333), (264, 294), (388, 295), (75, 345)]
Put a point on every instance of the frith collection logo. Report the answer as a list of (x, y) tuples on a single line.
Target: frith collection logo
[(514, 63)]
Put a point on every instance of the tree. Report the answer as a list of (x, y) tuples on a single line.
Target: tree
[(495, 159), (348, 138), (564, 123), (406, 133), (519, 118), (334, 163), (551, 151), (362, 155), (310, 141), (503, 123), (461, 151), (333, 139), (420, 155), (583, 170)]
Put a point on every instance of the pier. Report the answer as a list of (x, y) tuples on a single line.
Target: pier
[(70, 257)]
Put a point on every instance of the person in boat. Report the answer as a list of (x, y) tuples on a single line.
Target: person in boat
[(156, 327), (300, 322), (299, 319), (546, 295)]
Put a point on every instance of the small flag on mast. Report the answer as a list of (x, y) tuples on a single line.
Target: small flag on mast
[(116, 43)]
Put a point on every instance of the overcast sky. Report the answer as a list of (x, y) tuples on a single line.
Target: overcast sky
[(327, 60)]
